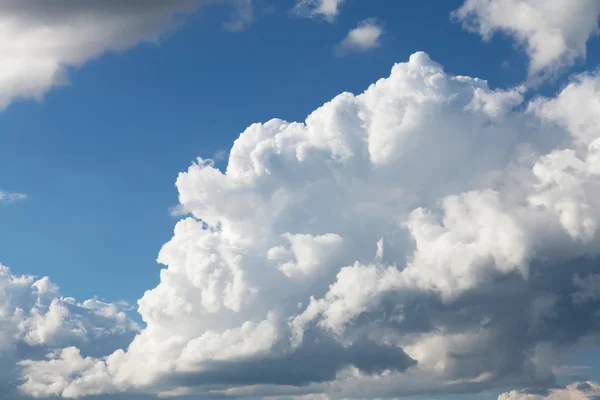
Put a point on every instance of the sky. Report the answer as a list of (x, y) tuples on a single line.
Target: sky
[(306, 199)]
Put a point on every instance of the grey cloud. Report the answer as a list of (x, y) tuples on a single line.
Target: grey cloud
[(42, 39), (317, 360)]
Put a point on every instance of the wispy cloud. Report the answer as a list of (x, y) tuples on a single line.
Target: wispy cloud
[(568, 370), (10, 197), (242, 17)]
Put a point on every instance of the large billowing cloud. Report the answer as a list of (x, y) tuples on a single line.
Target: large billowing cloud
[(554, 33), (40, 40), (430, 235)]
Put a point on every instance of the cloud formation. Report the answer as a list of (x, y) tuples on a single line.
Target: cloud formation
[(430, 235), (10, 197), (40, 41), (576, 391), (554, 33), (362, 38), (327, 9), (35, 321)]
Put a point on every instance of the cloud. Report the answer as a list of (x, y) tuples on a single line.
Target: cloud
[(243, 15), (362, 38), (40, 42), (576, 391), (10, 197), (327, 9), (571, 370), (553, 33), (589, 288), (36, 320), (429, 236)]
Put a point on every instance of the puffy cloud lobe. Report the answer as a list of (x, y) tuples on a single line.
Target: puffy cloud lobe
[(54, 377), (35, 320), (41, 41), (424, 236), (306, 253), (328, 9), (569, 185), (362, 38), (496, 103), (553, 32), (576, 108)]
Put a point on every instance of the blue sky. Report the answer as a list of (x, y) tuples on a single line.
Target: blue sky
[(98, 158)]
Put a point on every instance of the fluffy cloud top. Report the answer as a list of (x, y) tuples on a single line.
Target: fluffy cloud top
[(430, 235), (553, 32), (328, 9), (10, 197), (39, 41), (362, 38)]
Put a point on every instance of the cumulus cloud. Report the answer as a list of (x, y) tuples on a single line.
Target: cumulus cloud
[(10, 197), (554, 33), (35, 321), (41, 41), (430, 235), (327, 9), (362, 38), (576, 391)]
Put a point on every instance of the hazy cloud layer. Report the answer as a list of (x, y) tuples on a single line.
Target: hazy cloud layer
[(430, 235)]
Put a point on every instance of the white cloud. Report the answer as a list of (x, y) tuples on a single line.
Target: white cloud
[(35, 320), (554, 33), (362, 38), (10, 197), (422, 237), (576, 108), (40, 42), (328, 9), (575, 391), (306, 254)]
